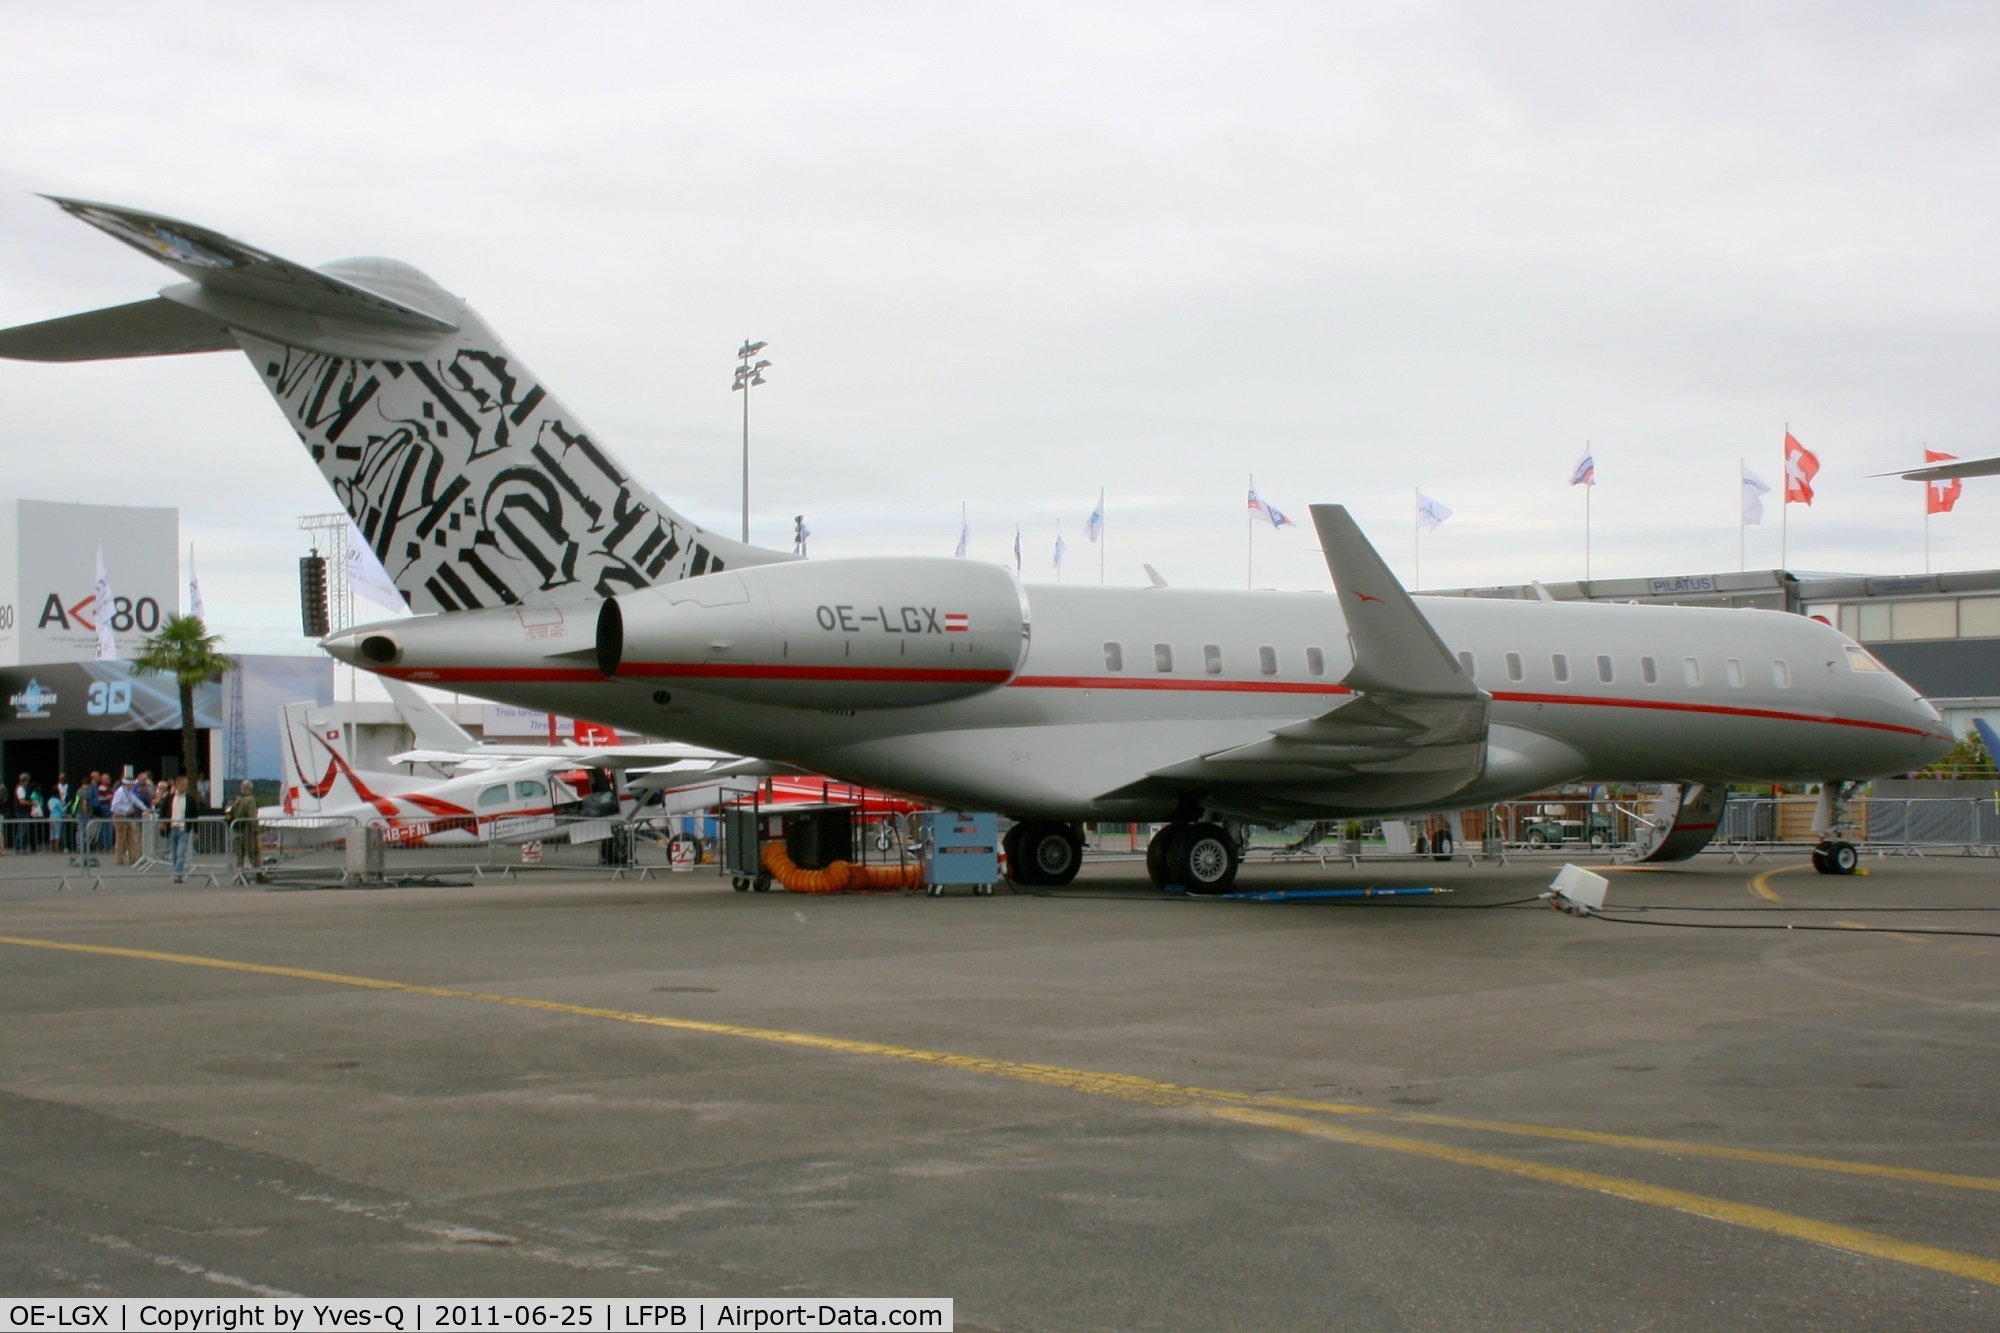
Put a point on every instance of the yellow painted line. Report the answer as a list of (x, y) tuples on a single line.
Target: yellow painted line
[(1847, 924), (1958, 1264), (1125, 1086), (1761, 884), (1246, 1108), (1678, 1148)]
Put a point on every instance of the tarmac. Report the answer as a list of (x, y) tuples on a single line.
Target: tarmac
[(1746, 1096)]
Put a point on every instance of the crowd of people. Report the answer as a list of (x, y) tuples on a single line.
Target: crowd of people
[(110, 813)]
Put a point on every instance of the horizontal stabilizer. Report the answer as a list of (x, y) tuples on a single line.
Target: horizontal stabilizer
[(215, 263), (153, 327), (1975, 467)]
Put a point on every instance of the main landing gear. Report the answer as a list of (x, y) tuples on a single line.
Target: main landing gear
[(1197, 858), (1042, 853)]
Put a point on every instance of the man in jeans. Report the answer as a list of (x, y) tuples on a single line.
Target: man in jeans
[(180, 825)]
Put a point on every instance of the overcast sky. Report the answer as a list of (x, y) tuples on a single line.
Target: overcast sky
[(1005, 255)]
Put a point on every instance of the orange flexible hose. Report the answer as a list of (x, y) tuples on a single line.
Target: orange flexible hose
[(840, 877)]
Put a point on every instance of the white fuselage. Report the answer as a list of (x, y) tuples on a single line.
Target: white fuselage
[(1580, 691)]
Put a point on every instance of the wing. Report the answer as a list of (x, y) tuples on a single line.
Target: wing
[(1413, 733)]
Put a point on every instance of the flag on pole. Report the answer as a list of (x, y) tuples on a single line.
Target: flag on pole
[(1754, 489), (103, 607), (1430, 512), (1278, 520), (1801, 466), (195, 607), (365, 575), (1585, 471), (1017, 548), (1093, 527), (964, 533), (1941, 493), (801, 534), (1062, 548)]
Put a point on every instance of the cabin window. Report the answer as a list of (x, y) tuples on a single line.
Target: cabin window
[(1471, 664), (1315, 662), (1514, 669), (1861, 659), (1649, 671), (1211, 658), (1732, 668), (1781, 674), (493, 796), (1267, 660), (530, 791), (1163, 657), (1114, 657), (1604, 672), (1559, 666), (1691, 669)]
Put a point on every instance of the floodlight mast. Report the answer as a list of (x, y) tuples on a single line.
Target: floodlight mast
[(748, 375)]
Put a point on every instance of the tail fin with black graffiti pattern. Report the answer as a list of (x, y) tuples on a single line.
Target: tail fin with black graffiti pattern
[(474, 485)]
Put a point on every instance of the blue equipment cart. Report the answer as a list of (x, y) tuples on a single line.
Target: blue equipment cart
[(960, 848)]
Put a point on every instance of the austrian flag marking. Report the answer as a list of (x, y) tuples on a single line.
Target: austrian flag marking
[(957, 622)]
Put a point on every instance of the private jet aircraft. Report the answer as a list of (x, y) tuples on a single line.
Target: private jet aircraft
[(544, 575)]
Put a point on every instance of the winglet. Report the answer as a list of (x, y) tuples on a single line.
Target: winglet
[(1395, 649)]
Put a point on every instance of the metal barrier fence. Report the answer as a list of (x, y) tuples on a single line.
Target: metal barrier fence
[(100, 853)]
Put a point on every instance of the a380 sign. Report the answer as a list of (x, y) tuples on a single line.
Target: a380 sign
[(126, 614)]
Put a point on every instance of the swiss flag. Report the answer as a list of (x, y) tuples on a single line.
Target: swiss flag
[(593, 733), (1941, 493), (1801, 466)]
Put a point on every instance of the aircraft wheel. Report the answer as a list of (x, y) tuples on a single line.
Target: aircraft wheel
[(1018, 869), (1051, 853), (1204, 859), (1843, 858), (1158, 853), (1441, 845), (1819, 860)]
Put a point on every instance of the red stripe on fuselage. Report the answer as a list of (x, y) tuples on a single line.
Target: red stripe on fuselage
[(760, 671), (1168, 683)]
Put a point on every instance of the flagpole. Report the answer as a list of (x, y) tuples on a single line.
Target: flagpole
[(1785, 502), (1588, 486), (1416, 539), (1250, 540), (1742, 485), (1100, 534)]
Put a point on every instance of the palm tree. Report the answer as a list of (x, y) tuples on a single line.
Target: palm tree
[(185, 650)]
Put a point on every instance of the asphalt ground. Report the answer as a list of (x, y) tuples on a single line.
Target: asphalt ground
[(1092, 1108)]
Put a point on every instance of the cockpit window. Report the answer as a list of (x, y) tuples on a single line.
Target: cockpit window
[(1860, 659)]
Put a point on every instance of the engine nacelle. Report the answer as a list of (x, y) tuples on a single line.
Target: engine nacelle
[(888, 632)]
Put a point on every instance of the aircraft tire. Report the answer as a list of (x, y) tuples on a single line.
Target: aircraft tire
[(1018, 869), (1157, 853), (1819, 860), (1051, 853), (1843, 858), (1204, 859), (1441, 846)]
